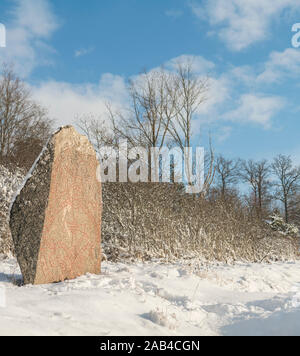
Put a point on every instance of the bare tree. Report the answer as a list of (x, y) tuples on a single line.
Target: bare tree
[(22, 121), (227, 173), (294, 208), (257, 174), (287, 181), (162, 106), (209, 169), (97, 130), (191, 92), (151, 109)]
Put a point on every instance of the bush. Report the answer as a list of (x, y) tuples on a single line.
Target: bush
[(10, 179), (277, 223)]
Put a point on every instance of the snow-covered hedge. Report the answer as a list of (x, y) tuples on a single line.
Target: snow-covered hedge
[(158, 221), (144, 222), (10, 180)]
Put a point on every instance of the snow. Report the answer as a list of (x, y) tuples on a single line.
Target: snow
[(29, 174), (27, 177), (9, 183), (157, 299)]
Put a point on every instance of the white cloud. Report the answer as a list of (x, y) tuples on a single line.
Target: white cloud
[(219, 92), (244, 74), (33, 22), (257, 109), (281, 64), (83, 52), (223, 134), (36, 17), (217, 98), (199, 64), (65, 101), (243, 22)]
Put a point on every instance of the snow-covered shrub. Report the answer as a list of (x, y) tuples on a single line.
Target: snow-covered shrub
[(10, 180), (159, 221), (277, 223), (163, 319)]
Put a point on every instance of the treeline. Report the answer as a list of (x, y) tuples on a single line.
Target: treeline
[(162, 105), (271, 186)]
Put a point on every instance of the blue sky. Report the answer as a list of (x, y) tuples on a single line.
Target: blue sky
[(78, 54)]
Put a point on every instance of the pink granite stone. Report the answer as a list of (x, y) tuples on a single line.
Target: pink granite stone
[(69, 239)]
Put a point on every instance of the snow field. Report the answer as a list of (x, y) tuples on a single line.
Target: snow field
[(157, 299)]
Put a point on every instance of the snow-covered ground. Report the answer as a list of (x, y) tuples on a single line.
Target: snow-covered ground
[(156, 299)]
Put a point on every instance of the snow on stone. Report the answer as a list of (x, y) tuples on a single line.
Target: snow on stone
[(29, 174), (157, 299)]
